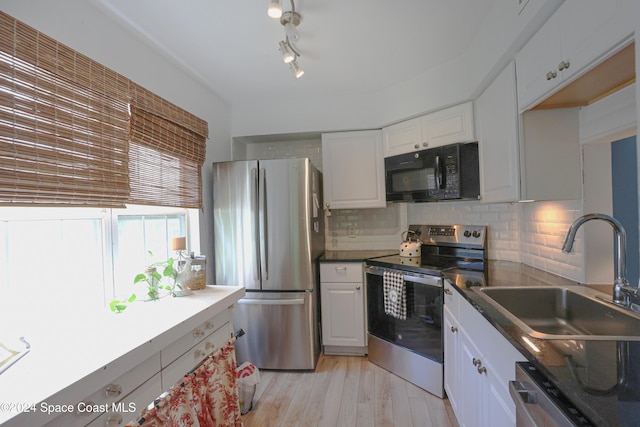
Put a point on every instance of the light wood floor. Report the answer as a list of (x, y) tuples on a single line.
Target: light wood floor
[(344, 391)]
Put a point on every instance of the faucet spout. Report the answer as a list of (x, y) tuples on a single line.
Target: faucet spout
[(621, 286)]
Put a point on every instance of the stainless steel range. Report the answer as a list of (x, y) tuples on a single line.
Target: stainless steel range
[(405, 300)]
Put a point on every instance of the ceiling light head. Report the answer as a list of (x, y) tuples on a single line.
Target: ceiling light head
[(274, 10), (290, 18), (287, 53), (297, 71)]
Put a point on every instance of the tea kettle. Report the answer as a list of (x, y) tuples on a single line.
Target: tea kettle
[(410, 248)]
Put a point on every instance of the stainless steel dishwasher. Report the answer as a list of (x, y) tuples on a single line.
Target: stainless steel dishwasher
[(539, 403)]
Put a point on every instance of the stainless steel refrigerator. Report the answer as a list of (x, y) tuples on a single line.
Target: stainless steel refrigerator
[(268, 233)]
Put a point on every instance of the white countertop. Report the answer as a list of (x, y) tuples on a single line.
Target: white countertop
[(73, 351)]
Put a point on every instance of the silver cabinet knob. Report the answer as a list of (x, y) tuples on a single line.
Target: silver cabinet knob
[(199, 354), (425, 144), (357, 287), (454, 329), (113, 390), (551, 75), (563, 65), (476, 362), (209, 346), (209, 325), (482, 370), (416, 146), (198, 333), (448, 291)]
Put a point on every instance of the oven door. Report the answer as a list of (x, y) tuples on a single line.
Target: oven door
[(421, 332)]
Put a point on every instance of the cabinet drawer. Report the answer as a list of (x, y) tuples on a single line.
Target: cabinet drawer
[(185, 363), (130, 407), (197, 335), (452, 299), (109, 393), (337, 272)]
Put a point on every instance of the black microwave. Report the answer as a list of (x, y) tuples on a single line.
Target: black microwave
[(449, 172)]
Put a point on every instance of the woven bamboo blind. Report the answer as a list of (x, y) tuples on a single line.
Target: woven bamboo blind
[(63, 124), (67, 138), (167, 151)]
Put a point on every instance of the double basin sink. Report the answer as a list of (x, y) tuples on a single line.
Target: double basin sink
[(563, 313)]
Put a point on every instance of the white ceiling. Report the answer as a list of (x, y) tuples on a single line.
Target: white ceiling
[(348, 47)]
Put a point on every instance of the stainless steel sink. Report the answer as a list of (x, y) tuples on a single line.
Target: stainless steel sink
[(569, 313)]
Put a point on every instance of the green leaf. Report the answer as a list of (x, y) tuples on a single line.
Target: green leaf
[(113, 305), (132, 298), (139, 278), (156, 275)]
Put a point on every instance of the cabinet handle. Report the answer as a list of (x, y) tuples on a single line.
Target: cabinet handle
[(416, 146), (114, 420), (551, 75), (209, 346), (454, 329), (425, 144), (357, 287), (482, 370), (476, 362), (563, 65), (341, 268), (198, 354), (448, 291), (198, 333), (209, 325), (113, 390)]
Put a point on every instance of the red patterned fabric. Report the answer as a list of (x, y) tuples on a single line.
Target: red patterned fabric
[(208, 397)]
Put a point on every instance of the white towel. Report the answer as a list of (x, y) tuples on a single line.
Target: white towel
[(395, 294)]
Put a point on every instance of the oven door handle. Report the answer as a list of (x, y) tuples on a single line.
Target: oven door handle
[(423, 279)]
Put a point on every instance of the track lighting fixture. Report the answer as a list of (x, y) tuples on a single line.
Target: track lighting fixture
[(274, 10), (290, 21)]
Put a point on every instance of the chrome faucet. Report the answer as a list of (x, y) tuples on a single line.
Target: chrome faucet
[(621, 288)]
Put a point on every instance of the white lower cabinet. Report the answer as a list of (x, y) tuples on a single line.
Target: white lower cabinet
[(479, 363), (342, 307), (122, 399)]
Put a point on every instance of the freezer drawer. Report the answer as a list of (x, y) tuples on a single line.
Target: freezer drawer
[(281, 330)]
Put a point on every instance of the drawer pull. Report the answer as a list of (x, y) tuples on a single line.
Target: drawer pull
[(476, 362), (199, 354), (198, 333), (209, 325), (114, 420), (341, 268), (448, 291), (113, 390), (454, 329), (482, 370), (209, 346)]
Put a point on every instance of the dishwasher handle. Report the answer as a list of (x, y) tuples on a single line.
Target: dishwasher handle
[(521, 396)]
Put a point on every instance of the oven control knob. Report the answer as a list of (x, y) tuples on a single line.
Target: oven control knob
[(476, 234), (467, 233)]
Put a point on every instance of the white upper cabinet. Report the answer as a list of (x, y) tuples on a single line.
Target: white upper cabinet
[(498, 139), (580, 34), (447, 126), (403, 137), (353, 172)]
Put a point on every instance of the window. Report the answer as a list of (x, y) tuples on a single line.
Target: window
[(84, 256)]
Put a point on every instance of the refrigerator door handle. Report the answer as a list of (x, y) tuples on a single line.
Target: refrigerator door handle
[(264, 236), (255, 224), (296, 301)]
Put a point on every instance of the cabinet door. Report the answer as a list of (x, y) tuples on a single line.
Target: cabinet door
[(451, 359), (403, 138), (471, 384), (590, 29), (497, 119), (536, 63), (448, 126), (353, 170), (342, 314)]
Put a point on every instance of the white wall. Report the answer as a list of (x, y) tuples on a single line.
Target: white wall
[(79, 25)]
